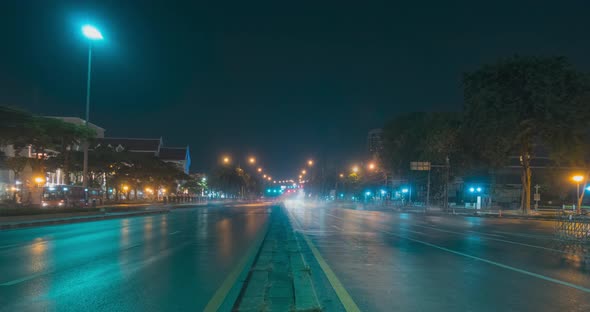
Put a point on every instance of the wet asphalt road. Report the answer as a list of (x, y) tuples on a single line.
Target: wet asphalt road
[(171, 262), (409, 262)]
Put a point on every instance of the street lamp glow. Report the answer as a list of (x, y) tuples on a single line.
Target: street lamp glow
[(264, 176), (355, 169), (252, 160), (578, 178), (342, 175), (372, 166), (471, 189), (269, 178), (310, 162), (478, 189), (303, 172), (259, 169), (91, 32), (39, 180), (226, 160)]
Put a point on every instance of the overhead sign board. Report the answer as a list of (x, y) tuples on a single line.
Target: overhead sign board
[(420, 165)]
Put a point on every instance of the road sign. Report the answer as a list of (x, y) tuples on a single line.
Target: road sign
[(420, 165), (537, 197)]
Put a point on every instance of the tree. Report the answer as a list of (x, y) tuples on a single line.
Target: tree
[(517, 103)]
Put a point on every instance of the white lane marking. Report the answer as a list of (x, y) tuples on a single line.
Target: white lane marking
[(504, 266), (174, 233), (496, 239), (26, 278), (337, 227)]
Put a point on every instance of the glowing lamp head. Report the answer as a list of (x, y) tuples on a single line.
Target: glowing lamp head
[(578, 178), (91, 32), (39, 180)]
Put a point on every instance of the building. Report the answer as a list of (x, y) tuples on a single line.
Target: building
[(135, 145), (375, 141), (179, 156)]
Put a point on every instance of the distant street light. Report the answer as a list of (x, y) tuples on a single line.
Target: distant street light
[(269, 178), (93, 34), (372, 166), (303, 172), (310, 162), (252, 160), (259, 169), (226, 160), (264, 176), (342, 175), (355, 169)]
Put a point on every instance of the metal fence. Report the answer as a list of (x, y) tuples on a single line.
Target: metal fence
[(572, 227)]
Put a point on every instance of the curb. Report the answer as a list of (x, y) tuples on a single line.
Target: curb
[(78, 220)]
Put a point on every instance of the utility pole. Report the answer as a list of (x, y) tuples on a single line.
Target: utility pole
[(427, 192), (537, 196)]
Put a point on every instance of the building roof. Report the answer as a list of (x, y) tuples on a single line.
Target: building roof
[(131, 144), (173, 153)]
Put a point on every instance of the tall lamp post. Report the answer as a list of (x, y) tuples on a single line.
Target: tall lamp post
[(578, 179), (92, 34)]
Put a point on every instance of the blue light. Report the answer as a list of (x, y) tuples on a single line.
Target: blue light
[(471, 189), (65, 189), (91, 32), (52, 188), (405, 190), (383, 192), (268, 190), (588, 188), (274, 191), (478, 189), (368, 193)]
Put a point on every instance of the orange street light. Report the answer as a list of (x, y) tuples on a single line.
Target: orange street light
[(252, 160), (310, 162), (303, 172), (355, 169), (226, 160), (264, 176), (125, 188), (39, 180), (269, 178), (372, 166), (259, 169), (578, 178), (342, 175)]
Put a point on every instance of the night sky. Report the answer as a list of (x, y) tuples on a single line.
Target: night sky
[(283, 80)]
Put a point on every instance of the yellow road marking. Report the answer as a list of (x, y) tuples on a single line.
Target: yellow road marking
[(218, 298), (343, 295)]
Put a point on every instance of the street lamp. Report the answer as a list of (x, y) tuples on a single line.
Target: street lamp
[(226, 160), (371, 166), (342, 175), (252, 160), (303, 172), (92, 34), (310, 162), (578, 179), (355, 169), (259, 169)]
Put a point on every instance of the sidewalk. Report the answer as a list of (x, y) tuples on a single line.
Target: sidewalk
[(102, 213)]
